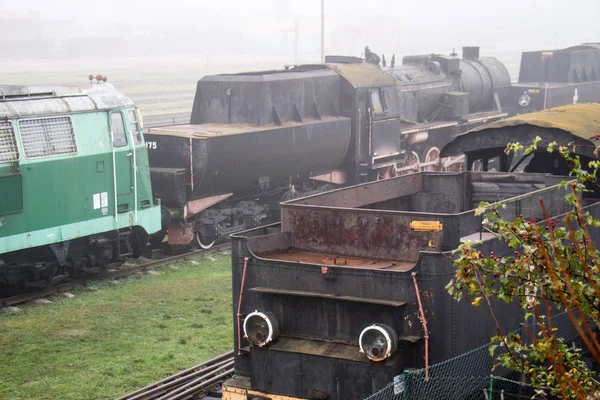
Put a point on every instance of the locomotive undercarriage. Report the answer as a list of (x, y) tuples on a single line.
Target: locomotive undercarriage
[(214, 223), (45, 266), (206, 227)]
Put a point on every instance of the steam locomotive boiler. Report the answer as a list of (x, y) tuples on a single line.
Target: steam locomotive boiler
[(441, 96)]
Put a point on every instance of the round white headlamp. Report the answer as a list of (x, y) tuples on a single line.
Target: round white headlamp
[(261, 328), (524, 100), (378, 342)]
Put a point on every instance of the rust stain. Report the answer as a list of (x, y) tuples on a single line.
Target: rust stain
[(359, 234)]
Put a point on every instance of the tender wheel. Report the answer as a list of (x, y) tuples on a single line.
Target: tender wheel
[(433, 154), (204, 243)]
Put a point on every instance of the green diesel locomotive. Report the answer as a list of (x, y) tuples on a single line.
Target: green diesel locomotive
[(75, 192)]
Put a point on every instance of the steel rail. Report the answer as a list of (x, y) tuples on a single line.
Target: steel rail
[(63, 287), (180, 377), (201, 383), (187, 383)]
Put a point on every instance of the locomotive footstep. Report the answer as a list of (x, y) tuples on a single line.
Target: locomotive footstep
[(9, 310), (41, 302), (67, 295)]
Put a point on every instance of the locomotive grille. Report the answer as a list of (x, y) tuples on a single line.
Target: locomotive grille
[(11, 194), (47, 136), (8, 143)]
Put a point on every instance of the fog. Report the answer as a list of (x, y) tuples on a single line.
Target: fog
[(65, 29)]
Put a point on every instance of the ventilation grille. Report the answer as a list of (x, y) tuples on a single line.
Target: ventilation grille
[(11, 195), (47, 136), (8, 143)]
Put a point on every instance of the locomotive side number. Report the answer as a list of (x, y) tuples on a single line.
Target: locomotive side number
[(151, 145)]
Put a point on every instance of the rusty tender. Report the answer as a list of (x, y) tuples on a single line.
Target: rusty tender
[(359, 258)]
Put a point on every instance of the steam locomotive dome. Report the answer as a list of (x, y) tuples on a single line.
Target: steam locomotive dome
[(470, 82)]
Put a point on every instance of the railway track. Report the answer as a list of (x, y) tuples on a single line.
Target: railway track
[(191, 383), (63, 287)]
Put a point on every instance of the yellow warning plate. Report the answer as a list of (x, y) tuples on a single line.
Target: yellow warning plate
[(426, 226)]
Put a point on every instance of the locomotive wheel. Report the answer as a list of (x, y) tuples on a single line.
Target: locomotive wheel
[(433, 154), (386, 173), (204, 243), (411, 159)]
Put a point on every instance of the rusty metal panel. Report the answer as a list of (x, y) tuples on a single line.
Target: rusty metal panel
[(179, 235), (304, 293), (361, 233), (361, 195)]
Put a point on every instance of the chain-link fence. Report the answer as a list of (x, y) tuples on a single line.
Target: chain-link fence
[(505, 388), (469, 376)]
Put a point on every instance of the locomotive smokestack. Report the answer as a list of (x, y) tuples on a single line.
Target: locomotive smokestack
[(470, 52)]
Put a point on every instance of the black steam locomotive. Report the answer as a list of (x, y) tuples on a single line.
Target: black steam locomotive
[(255, 139)]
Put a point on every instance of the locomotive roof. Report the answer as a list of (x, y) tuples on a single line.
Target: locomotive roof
[(29, 101), (300, 72), (360, 75), (363, 74), (216, 129), (580, 120)]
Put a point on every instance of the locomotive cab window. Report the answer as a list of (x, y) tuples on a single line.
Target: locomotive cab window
[(9, 152), (49, 136), (134, 126), (118, 129), (376, 101)]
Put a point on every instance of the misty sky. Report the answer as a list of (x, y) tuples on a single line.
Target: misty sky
[(385, 25)]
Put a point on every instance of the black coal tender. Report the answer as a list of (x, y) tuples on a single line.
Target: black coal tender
[(552, 78), (248, 135), (325, 303)]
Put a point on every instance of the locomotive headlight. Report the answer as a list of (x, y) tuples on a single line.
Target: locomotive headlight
[(378, 342), (261, 328), (524, 100)]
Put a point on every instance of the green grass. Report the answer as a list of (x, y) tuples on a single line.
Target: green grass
[(116, 337)]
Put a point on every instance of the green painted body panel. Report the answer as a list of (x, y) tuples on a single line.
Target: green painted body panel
[(70, 196)]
